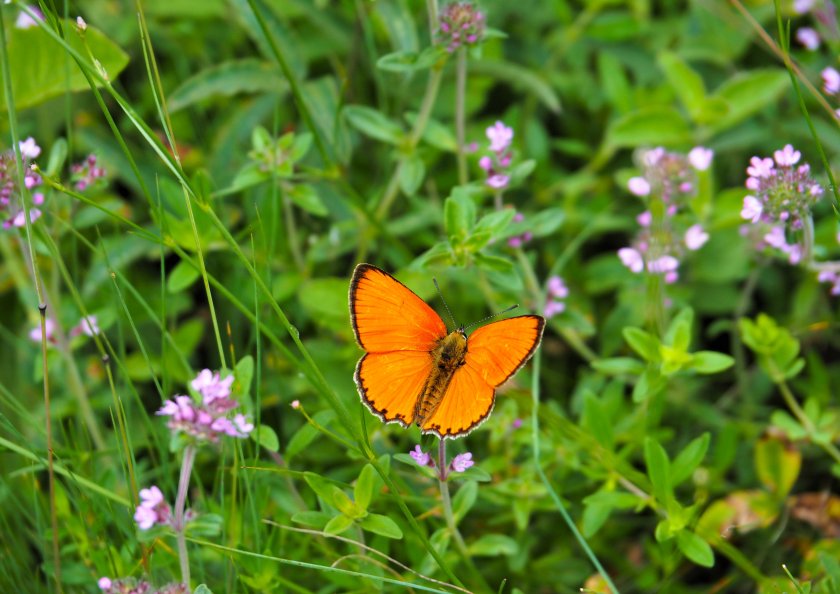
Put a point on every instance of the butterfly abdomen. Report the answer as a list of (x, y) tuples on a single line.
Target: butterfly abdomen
[(447, 357)]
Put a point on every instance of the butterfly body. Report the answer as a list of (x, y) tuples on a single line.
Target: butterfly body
[(447, 357), (416, 372)]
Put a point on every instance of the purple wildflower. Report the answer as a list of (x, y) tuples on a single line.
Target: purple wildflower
[(695, 237), (10, 194), (49, 325), (808, 38), (638, 186), (500, 136), (421, 457), (460, 24), (153, 509), (701, 157), (86, 173), (831, 80), (88, 326), (208, 420), (497, 163), (461, 462)]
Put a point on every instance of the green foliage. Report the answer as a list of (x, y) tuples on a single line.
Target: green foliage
[(255, 152)]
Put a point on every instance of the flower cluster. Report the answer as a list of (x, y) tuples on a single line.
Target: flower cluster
[(672, 179), (459, 463), (518, 241), (781, 200), (831, 277), (460, 24), (825, 20), (208, 420), (557, 292), (132, 586), (496, 164), (831, 84), (153, 509), (10, 194), (86, 173), (88, 327)]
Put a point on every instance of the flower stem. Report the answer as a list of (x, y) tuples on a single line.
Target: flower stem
[(178, 521), (460, 100)]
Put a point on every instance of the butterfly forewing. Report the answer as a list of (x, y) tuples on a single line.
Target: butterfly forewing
[(468, 401), (499, 349), (389, 383), (387, 316)]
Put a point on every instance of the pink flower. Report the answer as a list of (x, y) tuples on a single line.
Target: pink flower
[(28, 148), (35, 333), (802, 6), (243, 427), (638, 186), (461, 462), (486, 163), (644, 219), (808, 38), (831, 80), (295, 404), (211, 386), (152, 510), (752, 209), (695, 237), (653, 156), (81, 24), (760, 167), (500, 136), (557, 287), (498, 181), (104, 583), (787, 157), (422, 458), (24, 21), (753, 183), (632, 259), (776, 238), (663, 264), (19, 220), (700, 157), (552, 308), (89, 327)]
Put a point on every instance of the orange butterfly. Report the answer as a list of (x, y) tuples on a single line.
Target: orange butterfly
[(415, 372)]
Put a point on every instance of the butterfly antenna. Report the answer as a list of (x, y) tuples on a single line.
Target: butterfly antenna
[(495, 315), (451, 317)]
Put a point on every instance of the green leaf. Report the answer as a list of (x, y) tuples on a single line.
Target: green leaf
[(748, 92), (202, 589), (338, 524), (597, 421), (678, 335), (409, 61), (650, 383), (619, 366), (343, 503), (613, 81), (244, 373), (382, 525), (644, 343), (35, 61), (710, 362), (411, 175), (226, 79), (689, 459), (181, 277), (777, 465), (544, 222), (58, 155), (458, 215), (306, 197), (493, 545), (493, 263), (686, 83), (653, 125), (594, 517), (322, 487), (518, 77), (314, 519), (373, 123), (695, 548), (495, 223), (659, 471), (325, 298), (365, 485), (464, 499), (267, 438)]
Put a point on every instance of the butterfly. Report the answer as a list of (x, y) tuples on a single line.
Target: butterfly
[(415, 372)]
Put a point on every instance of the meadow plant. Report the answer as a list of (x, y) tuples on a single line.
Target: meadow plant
[(206, 177)]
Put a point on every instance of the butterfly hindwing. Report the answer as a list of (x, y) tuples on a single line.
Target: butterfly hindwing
[(494, 353), (390, 383), (467, 403), (387, 316), (498, 350)]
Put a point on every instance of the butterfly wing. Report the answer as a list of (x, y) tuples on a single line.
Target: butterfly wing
[(389, 383), (494, 353), (387, 316), (499, 349)]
